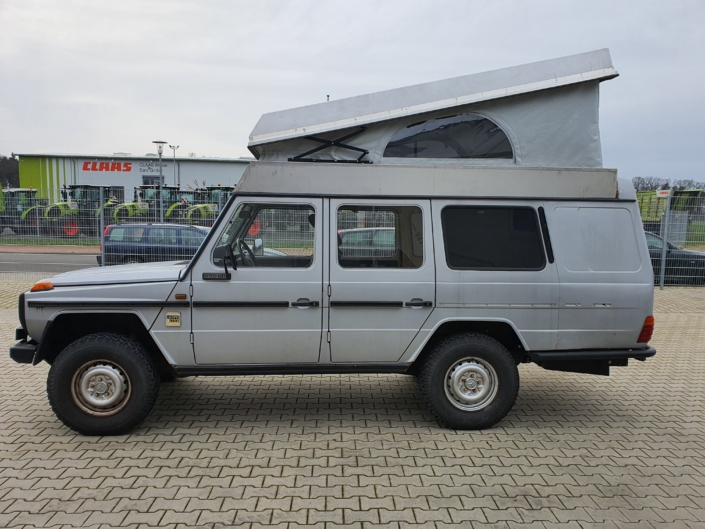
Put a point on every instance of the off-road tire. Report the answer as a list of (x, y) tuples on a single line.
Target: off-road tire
[(434, 377), (117, 350)]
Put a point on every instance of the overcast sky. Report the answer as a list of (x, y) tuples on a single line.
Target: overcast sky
[(101, 77)]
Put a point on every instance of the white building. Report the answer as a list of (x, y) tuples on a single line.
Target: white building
[(49, 172)]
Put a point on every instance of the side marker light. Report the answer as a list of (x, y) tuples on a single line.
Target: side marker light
[(41, 286)]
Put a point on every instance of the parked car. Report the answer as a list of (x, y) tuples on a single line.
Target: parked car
[(682, 266), (367, 243), (142, 243)]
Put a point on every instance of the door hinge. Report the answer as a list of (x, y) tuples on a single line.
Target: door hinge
[(330, 290), (191, 338), (328, 336)]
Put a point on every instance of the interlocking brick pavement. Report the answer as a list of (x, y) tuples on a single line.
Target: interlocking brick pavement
[(577, 451)]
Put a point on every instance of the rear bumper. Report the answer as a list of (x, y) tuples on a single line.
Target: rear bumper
[(595, 362), (23, 352), (598, 354)]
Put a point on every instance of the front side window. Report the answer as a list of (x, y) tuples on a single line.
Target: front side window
[(492, 238), (380, 236), (460, 136), (269, 236)]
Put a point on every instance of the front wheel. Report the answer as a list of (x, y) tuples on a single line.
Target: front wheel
[(469, 382), (103, 384)]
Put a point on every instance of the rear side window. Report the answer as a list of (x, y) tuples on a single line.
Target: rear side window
[(162, 236), (126, 234), (192, 237), (492, 238)]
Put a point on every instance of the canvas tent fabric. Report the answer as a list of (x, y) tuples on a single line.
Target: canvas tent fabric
[(549, 111)]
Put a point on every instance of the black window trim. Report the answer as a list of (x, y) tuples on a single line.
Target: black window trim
[(546, 236), (490, 269)]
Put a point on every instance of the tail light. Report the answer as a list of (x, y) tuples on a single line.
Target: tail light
[(105, 234), (647, 330)]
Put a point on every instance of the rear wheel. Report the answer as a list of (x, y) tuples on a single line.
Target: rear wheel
[(103, 384), (469, 382), (69, 228)]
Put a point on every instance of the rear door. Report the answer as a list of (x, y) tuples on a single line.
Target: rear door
[(382, 278)]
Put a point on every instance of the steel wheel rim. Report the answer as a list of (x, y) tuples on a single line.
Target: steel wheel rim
[(471, 384), (101, 388)]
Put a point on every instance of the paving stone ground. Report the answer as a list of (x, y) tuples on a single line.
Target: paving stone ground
[(577, 451)]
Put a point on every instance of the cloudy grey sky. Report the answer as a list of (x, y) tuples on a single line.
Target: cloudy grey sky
[(82, 76)]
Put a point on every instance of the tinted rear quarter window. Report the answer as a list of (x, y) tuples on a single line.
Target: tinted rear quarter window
[(492, 238), (126, 234)]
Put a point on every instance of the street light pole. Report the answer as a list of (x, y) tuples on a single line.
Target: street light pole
[(160, 150), (173, 148)]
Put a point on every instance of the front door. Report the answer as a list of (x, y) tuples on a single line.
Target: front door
[(382, 277), (269, 310)]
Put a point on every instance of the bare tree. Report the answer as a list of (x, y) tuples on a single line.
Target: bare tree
[(650, 183)]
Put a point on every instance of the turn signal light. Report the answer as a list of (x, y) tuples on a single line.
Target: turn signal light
[(42, 285), (647, 330)]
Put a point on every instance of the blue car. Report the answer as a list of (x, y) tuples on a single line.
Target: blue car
[(144, 243)]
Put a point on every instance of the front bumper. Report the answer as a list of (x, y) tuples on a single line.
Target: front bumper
[(23, 352)]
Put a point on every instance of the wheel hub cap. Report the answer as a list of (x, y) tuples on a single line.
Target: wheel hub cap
[(471, 384), (100, 388)]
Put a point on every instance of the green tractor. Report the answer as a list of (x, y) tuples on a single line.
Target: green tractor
[(145, 206), (21, 211), (79, 210), (209, 202)]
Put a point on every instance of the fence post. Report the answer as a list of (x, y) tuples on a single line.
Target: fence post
[(102, 227), (664, 250)]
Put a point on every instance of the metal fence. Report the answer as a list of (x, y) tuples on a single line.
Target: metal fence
[(675, 235), (39, 239)]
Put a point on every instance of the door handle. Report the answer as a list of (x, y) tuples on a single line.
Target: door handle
[(417, 303), (304, 302)]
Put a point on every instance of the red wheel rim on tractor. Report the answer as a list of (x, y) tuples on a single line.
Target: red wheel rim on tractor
[(71, 228)]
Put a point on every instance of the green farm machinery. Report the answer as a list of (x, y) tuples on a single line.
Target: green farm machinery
[(79, 211), (21, 211)]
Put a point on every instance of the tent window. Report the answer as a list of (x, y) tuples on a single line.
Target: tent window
[(459, 136)]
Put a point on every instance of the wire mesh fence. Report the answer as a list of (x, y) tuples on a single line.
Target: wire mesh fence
[(97, 225), (39, 239), (675, 235)]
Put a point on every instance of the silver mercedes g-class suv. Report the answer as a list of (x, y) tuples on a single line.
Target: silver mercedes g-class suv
[(449, 232)]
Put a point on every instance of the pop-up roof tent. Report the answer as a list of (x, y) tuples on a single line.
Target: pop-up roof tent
[(543, 114), (539, 115)]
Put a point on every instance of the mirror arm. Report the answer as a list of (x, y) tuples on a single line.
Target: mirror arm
[(231, 255)]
